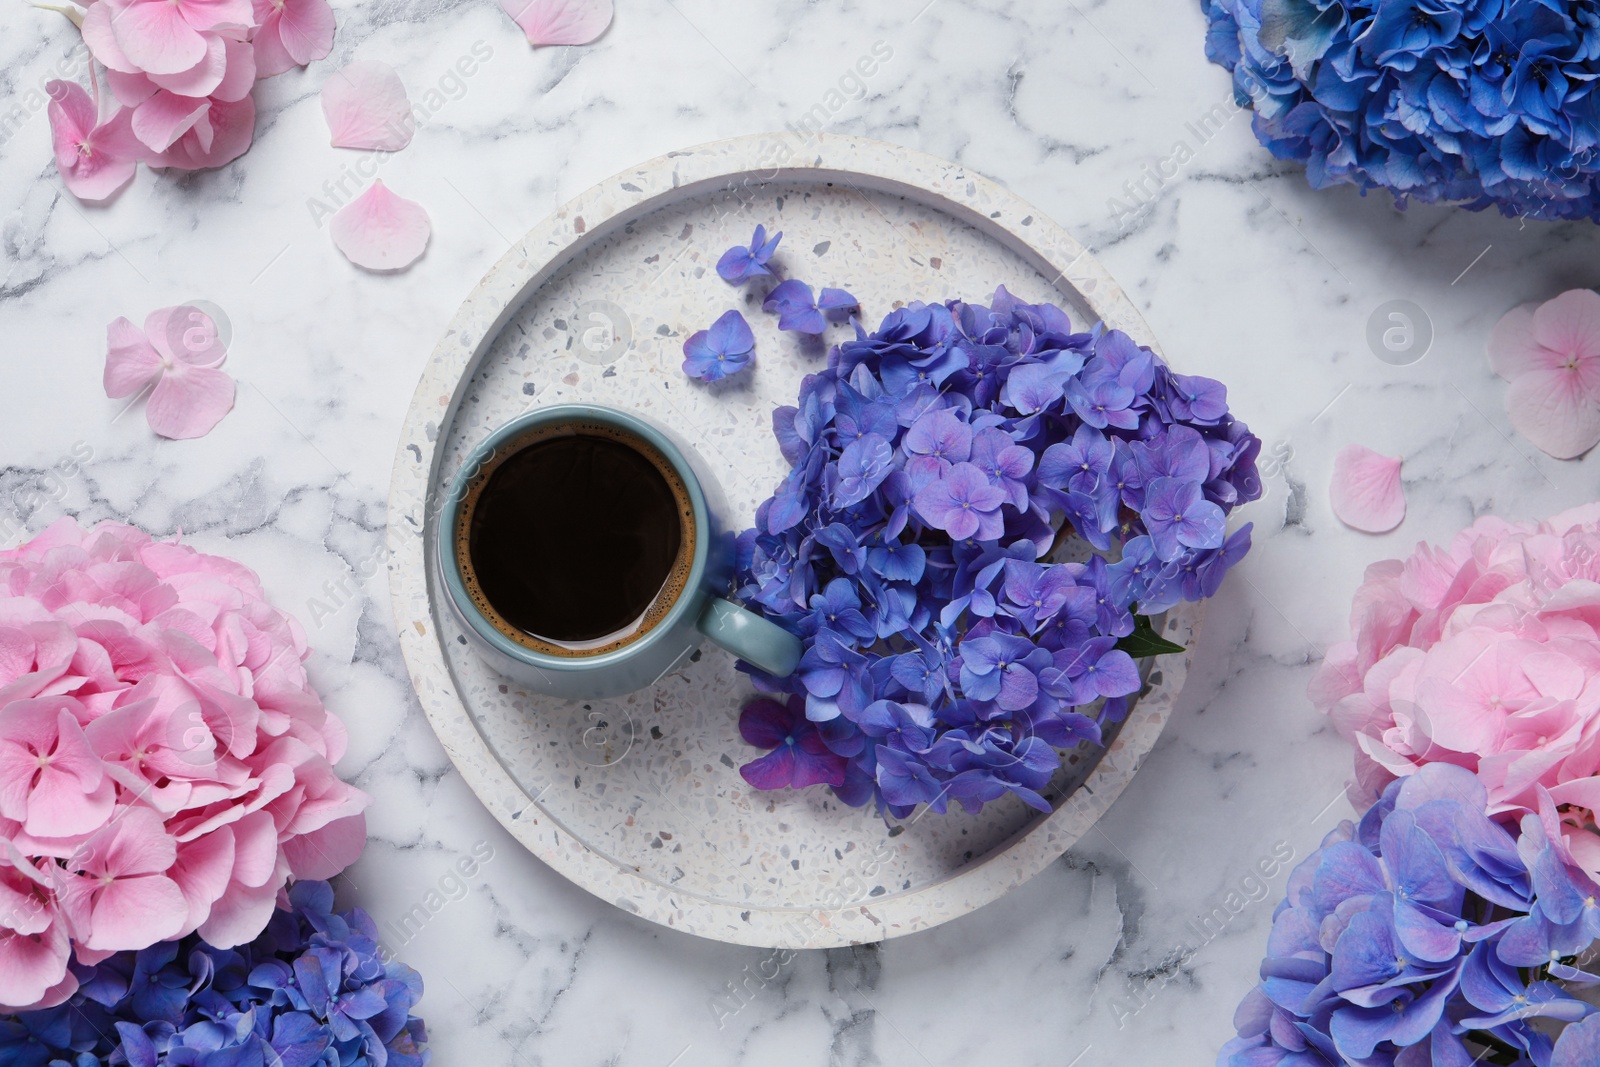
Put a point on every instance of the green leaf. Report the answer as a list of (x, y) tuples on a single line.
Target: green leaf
[(1144, 641)]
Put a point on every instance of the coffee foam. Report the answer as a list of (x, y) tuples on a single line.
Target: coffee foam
[(672, 588)]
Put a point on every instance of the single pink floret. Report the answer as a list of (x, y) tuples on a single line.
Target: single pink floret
[(178, 350), (1551, 356), (95, 158)]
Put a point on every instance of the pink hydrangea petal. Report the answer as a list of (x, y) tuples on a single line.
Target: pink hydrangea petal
[(1366, 490), (32, 966), (201, 873), (185, 333), (155, 37), (137, 843), (381, 231), (324, 853), (215, 14), (293, 34), (1570, 324), (549, 22), (255, 848), (201, 79), (1512, 347), (1550, 408), (60, 806), (21, 907), (366, 107), (102, 42), (72, 116), (165, 117), (189, 401), (231, 126), (241, 75), (130, 90), (271, 57), (307, 29), (241, 913), (135, 913), (16, 779)]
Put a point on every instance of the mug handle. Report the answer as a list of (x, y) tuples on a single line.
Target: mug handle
[(760, 642)]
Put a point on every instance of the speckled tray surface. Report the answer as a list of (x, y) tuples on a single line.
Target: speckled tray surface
[(639, 799)]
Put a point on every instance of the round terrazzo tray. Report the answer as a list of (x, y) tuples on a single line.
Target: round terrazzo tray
[(639, 799)]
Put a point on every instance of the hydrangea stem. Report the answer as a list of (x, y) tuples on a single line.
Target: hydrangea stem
[(75, 14)]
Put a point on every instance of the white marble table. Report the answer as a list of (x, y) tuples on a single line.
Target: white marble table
[(1135, 947)]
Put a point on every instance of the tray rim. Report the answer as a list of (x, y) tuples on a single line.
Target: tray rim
[(548, 248)]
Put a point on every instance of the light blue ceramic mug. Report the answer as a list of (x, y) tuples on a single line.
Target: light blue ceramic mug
[(688, 607)]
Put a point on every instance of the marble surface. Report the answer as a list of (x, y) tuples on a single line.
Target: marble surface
[(1135, 947)]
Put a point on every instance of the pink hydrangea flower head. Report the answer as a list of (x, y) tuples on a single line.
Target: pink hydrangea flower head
[(165, 765), (1484, 654)]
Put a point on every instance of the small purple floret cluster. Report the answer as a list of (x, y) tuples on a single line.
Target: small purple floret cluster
[(934, 464), (312, 991), (1429, 936)]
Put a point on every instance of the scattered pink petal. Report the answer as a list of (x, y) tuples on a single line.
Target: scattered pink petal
[(179, 350), (291, 33), (381, 231), (1366, 490), (560, 21), (95, 158), (1551, 409), (366, 107)]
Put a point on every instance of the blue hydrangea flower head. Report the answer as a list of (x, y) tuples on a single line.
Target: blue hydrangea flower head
[(313, 990), (1484, 103), (1428, 934)]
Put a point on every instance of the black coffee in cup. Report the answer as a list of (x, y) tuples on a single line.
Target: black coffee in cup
[(579, 538)]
